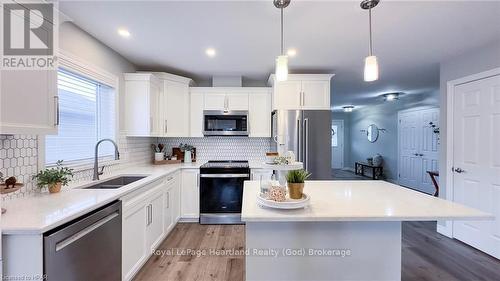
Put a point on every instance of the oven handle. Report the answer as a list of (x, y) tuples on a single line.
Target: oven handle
[(224, 175)]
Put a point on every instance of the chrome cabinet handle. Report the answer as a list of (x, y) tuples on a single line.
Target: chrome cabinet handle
[(168, 200), (56, 111), (166, 126), (458, 170)]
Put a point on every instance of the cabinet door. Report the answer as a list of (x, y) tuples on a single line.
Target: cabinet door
[(237, 101), (155, 93), (168, 215), (259, 113), (316, 95), (190, 194), (134, 251), (176, 198), (155, 228), (287, 95), (176, 109), (215, 101), (28, 102), (196, 114)]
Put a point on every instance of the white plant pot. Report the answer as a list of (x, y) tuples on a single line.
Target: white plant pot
[(158, 156), (187, 157)]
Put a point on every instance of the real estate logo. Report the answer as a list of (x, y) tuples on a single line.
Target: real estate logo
[(28, 35)]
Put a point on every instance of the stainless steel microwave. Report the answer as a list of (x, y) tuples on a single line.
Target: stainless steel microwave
[(225, 123)]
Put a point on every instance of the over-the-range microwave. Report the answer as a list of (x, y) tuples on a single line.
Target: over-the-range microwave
[(225, 123)]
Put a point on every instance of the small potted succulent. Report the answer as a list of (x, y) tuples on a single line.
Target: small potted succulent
[(54, 178), (295, 181)]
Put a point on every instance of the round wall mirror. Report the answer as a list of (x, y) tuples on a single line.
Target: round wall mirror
[(372, 133)]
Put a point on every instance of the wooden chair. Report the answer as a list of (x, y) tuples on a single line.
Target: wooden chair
[(433, 175)]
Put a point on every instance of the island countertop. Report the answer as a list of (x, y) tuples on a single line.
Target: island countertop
[(359, 201)]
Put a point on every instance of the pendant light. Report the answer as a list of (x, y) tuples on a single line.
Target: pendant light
[(282, 59), (371, 64)]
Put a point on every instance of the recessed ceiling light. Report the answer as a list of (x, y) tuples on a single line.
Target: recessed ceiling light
[(123, 32), (391, 96), (348, 108), (210, 52), (291, 52)]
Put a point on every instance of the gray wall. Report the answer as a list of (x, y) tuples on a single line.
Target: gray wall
[(346, 117), (472, 62), (384, 115), (74, 40)]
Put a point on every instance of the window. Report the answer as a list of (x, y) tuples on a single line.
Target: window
[(86, 114)]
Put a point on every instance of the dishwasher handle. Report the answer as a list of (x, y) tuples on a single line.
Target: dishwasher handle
[(73, 238)]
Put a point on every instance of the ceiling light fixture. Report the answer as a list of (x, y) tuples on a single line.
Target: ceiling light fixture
[(123, 32), (348, 108), (282, 59), (391, 96), (371, 64), (210, 52), (291, 52)]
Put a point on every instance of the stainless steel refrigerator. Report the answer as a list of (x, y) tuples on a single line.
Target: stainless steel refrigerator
[(308, 134)]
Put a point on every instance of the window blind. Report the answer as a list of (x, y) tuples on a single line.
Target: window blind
[(86, 114)]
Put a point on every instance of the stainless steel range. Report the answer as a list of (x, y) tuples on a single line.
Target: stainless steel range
[(221, 191)]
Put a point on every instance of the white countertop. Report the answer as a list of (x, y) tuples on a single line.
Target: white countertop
[(41, 212), (359, 201)]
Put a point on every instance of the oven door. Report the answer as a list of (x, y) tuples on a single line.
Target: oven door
[(225, 123), (221, 193)]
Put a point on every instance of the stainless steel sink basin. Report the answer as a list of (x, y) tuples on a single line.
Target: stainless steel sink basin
[(116, 182)]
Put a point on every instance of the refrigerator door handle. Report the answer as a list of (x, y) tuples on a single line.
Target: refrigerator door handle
[(299, 141), (306, 142)]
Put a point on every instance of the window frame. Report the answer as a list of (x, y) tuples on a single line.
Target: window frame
[(72, 63)]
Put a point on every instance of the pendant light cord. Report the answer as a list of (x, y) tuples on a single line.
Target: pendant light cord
[(282, 44), (370, 30)]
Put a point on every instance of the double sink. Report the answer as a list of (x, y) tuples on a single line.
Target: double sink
[(115, 183)]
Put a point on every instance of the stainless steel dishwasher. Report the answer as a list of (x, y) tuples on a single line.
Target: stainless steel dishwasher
[(88, 248)]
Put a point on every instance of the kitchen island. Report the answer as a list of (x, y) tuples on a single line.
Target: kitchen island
[(350, 231)]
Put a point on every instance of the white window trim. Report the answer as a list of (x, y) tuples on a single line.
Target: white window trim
[(78, 66)]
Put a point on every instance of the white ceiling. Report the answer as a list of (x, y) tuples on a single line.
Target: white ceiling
[(410, 38)]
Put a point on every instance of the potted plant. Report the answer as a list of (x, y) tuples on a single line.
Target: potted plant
[(54, 178), (187, 149), (295, 181)]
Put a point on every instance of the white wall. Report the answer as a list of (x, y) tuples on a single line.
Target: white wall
[(472, 62)]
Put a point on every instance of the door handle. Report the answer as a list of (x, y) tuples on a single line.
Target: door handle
[(458, 170), (299, 141), (56, 110), (306, 143)]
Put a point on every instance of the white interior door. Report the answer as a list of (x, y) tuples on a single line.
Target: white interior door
[(410, 164), (418, 148), (476, 160), (337, 144)]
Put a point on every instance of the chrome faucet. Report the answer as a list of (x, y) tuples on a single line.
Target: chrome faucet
[(97, 173)]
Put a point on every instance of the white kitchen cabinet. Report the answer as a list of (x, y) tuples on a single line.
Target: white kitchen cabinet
[(258, 174), (142, 105), (259, 113), (175, 105), (190, 194), (302, 92), (154, 230), (134, 250), (226, 99), (28, 102), (196, 106), (176, 198), (169, 216)]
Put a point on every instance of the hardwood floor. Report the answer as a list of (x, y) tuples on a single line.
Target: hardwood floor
[(426, 255)]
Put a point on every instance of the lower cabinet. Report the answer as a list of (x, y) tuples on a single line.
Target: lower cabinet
[(190, 194), (134, 252), (154, 220)]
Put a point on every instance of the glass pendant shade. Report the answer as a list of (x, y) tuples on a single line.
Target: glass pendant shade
[(371, 68), (281, 68)]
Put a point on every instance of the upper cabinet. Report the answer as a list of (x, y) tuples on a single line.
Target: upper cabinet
[(28, 102), (226, 99), (259, 113), (156, 105), (302, 91)]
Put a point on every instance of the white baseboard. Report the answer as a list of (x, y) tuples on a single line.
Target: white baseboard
[(445, 229)]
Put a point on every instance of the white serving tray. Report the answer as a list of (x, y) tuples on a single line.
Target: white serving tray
[(289, 167), (288, 204)]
